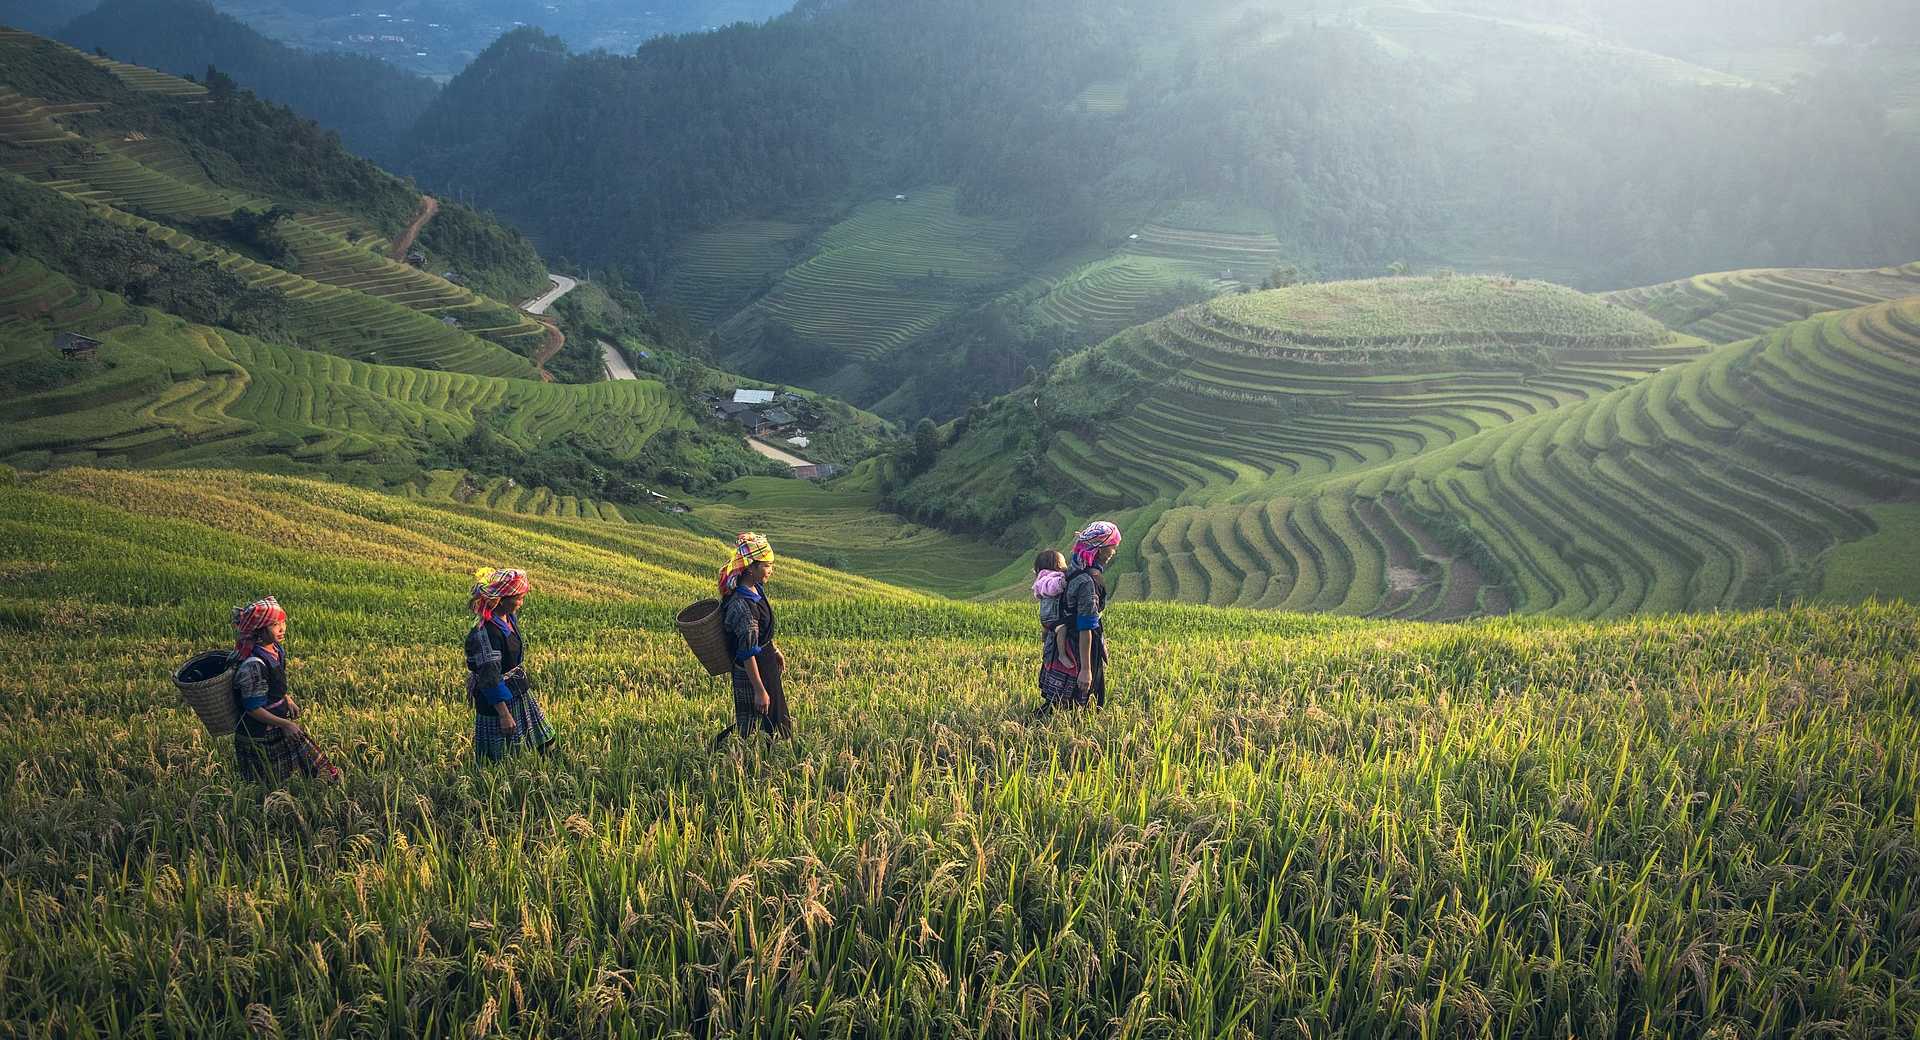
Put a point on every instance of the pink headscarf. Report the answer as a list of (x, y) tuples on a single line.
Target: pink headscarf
[(1099, 535)]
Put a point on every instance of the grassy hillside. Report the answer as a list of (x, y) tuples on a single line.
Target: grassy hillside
[(164, 392), (887, 274), (229, 180), (1673, 826), (1734, 305), (1722, 482), (1251, 393), (1440, 448)]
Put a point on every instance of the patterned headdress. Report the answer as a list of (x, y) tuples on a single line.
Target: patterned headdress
[(493, 585), (1099, 535), (248, 620), (748, 549)]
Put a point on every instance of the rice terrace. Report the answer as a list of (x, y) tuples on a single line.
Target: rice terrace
[(1113, 518)]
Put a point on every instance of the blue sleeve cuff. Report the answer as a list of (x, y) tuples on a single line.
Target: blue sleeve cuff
[(752, 651), (500, 695), (1087, 622), (250, 703)]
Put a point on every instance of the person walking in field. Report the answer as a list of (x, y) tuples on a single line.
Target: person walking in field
[(759, 701), (268, 744), (1083, 600), (506, 716), (1056, 650)]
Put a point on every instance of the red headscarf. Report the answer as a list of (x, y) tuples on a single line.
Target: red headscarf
[(250, 619), (491, 586)]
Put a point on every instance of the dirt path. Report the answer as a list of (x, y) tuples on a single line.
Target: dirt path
[(617, 367), (775, 453), (404, 244)]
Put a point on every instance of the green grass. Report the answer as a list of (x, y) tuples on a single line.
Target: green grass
[(1673, 826), (1883, 564)]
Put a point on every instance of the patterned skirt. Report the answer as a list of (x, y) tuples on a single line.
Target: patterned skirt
[(491, 743), (282, 756)]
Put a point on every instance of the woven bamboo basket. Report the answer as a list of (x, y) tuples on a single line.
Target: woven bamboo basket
[(701, 626), (206, 685)]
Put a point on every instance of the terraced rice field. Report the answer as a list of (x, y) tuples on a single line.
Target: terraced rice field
[(171, 394), (346, 321), (890, 272), (1251, 396), (331, 259), (1280, 825), (1721, 482), (715, 273), (1104, 296), (1735, 305), (164, 180)]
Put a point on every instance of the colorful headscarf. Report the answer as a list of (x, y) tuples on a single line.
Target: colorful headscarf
[(248, 620), (1099, 535), (493, 585), (748, 550)]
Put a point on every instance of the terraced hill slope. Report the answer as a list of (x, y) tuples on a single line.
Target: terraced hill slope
[(888, 273), (103, 141), (163, 392), (1423, 448), (1214, 851), (1721, 482), (1734, 305)]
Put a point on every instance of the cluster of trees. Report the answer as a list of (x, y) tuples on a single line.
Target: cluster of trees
[(60, 233), (492, 258)]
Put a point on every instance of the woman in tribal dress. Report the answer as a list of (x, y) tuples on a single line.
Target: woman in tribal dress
[(268, 745), (1075, 679), (506, 717), (759, 700)]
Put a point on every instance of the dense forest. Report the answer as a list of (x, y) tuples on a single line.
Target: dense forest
[(372, 104)]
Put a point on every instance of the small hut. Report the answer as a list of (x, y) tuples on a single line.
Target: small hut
[(75, 346)]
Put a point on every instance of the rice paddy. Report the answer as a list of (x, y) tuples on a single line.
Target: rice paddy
[(1735, 305), (166, 393), (890, 272), (1725, 481), (1281, 825)]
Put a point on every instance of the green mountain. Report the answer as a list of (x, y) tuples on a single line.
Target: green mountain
[(994, 184), (236, 266), (370, 103)]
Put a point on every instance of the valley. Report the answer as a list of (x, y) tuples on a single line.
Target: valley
[(1491, 650)]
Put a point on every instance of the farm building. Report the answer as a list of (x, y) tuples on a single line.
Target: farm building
[(74, 345), (753, 397), (823, 471), (779, 417), (752, 422), (729, 409)]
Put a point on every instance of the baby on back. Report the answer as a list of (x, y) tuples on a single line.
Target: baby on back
[(1049, 581)]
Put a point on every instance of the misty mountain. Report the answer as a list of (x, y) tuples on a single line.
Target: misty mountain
[(371, 103)]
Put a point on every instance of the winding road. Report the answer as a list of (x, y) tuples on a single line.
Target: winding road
[(617, 367), (562, 285), (404, 244)]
